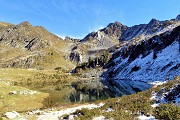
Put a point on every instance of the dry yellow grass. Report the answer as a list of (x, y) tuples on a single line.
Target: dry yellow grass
[(4, 24), (46, 96), (18, 102)]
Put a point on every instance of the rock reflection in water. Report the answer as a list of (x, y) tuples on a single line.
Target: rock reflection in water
[(88, 96)]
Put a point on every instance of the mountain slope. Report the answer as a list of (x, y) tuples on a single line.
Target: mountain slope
[(26, 46), (150, 60)]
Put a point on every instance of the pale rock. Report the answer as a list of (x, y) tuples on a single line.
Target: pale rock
[(12, 93), (11, 115), (99, 118)]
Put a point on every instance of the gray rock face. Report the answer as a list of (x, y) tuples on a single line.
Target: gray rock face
[(178, 17), (75, 57), (113, 30), (71, 39)]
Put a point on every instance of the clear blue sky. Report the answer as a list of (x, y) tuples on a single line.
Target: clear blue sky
[(76, 18)]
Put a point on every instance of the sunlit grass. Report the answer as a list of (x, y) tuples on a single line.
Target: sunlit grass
[(50, 94)]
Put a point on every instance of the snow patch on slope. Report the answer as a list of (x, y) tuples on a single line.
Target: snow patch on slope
[(152, 69), (55, 115), (162, 96), (143, 117), (156, 83)]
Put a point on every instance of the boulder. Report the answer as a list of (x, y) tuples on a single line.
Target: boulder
[(11, 115), (12, 93)]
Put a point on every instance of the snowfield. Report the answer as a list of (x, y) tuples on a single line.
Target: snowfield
[(161, 96)]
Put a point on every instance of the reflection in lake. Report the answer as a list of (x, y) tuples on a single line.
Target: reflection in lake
[(88, 96)]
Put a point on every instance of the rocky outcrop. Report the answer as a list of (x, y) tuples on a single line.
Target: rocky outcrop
[(71, 39), (173, 95), (103, 39), (114, 30), (75, 57), (98, 61)]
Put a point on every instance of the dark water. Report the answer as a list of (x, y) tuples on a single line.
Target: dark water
[(114, 88), (88, 96)]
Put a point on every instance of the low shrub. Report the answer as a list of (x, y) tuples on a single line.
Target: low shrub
[(167, 112)]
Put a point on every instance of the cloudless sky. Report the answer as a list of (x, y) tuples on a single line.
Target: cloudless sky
[(76, 18)]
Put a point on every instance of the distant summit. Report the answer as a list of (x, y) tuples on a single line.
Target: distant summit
[(114, 29), (178, 17)]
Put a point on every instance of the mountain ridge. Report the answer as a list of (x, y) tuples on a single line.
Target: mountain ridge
[(109, 39), (31, 45)]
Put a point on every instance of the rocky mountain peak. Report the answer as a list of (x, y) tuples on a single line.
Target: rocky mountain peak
[(67, 38), (115, 24), (114, 29), (25, 23), (90, 36), (153, 22), (178, 17)]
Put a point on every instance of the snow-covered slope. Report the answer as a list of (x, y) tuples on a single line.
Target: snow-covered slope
[(167, 95), (147, 68), (136, 65)]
